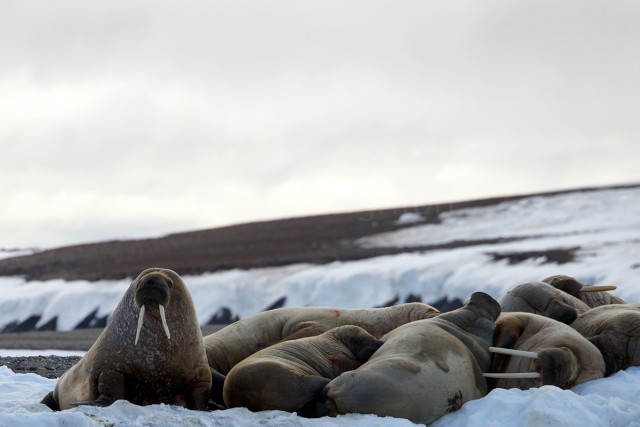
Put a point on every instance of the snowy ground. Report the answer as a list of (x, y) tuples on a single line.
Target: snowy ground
[(613, 401), (601, 228)]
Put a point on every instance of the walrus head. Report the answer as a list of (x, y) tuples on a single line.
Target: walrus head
[(544, 299), (152, 289), (592, 295)]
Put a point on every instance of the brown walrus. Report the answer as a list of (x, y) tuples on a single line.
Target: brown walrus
[(593, 296), (615, 330), (161, 359), (552, 352), (228, 346), (424, 369), (290, 375), (543, 299)]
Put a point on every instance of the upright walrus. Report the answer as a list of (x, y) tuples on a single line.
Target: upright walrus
[(290, 375), (158, 359), (231, 344), (424, 369), (533, 350)]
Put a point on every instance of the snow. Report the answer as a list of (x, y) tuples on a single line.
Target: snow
[(588, 217), (612, 401), (604, 225), (409, 218)]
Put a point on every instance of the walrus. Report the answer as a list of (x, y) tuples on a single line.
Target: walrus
[(615, 330), (290, 375), (593, 296), (544, 299), (151, 351), (553, 352), (233, 343), (424, 369)]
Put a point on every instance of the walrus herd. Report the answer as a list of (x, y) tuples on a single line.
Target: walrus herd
[(407, 361)]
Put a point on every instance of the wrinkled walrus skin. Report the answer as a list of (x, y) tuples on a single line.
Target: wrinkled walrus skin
[(565, 358), (157, 369), (543, 299), (228, 346), (290, 375), (615, 330), (424, 369)]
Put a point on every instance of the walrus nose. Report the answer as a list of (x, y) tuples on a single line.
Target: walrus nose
[(153, 290)]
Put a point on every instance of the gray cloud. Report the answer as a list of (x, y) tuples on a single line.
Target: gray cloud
[(222, 112)]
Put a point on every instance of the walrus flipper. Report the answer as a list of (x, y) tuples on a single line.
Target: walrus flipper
[(100, 401), (111, 386), (555, 366), (217, 385), (198, 394), (51, 401), (561, 312), (613, 347)]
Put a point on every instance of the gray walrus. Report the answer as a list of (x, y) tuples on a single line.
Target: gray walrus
[(290, 375), (615, 330), (228, 346), (593, 296), (424, 369), (553, 352), (158, 359)]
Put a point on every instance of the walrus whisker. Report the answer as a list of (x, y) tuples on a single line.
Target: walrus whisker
[(164, 322), (515, 375), (511, 352), (598, 288), (140, 320)]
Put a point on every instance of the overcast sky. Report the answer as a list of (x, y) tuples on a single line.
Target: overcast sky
[(128, 119)]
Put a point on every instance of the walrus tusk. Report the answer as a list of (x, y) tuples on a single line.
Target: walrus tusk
[(513, 375), (598, 288), (164, 322), (511, 352), (140, 320)]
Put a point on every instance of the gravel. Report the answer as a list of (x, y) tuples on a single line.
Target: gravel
[(53, 366), (45, 366)]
